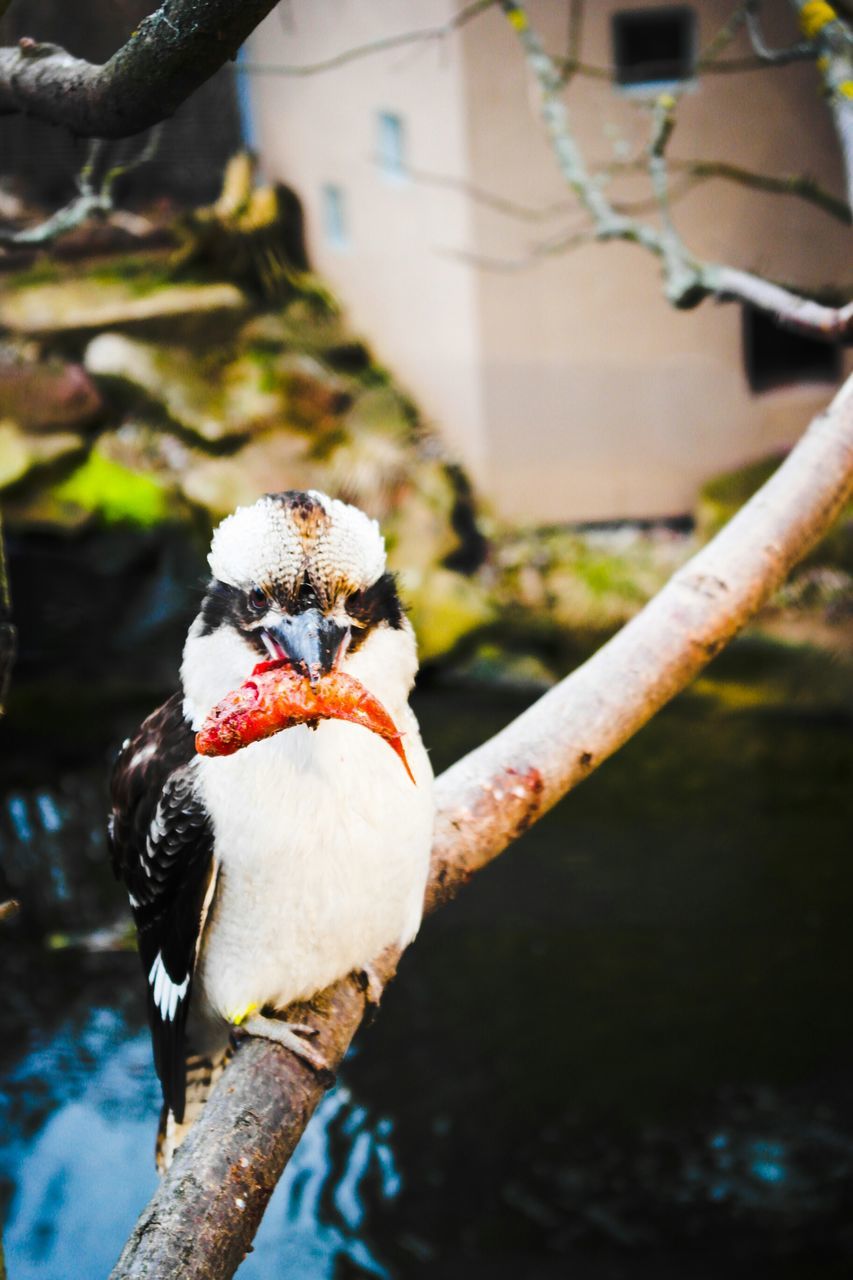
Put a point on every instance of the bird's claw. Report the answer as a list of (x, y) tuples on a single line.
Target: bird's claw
[(291, 1035)]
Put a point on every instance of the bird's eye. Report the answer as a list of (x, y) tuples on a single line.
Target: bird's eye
[(258, 600)]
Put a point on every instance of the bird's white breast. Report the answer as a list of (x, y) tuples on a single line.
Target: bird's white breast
[(323, 844)]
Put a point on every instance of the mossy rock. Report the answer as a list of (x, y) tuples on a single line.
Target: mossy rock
[(93, 303), (216, 399), (371, 460), (102, 491), (723, 496), (45, 394), (272, 462), (22, 453), (419, 529)]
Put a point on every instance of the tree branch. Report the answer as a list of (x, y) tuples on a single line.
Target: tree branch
[(204, 1214), (832, 40), (801, 52), (383, 45), (798, 185), (170, 54), (90, 201), (687, 280)]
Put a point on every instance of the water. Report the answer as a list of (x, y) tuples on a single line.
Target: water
[(626, 1049)]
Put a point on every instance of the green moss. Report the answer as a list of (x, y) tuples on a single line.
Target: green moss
[(606, 575), (269, 379), (42, 271), (114, 493)]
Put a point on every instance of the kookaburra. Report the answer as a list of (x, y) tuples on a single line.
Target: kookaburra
[(257, 879)]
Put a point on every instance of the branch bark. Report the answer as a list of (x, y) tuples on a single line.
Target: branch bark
[(204, 1214), (170, 54)]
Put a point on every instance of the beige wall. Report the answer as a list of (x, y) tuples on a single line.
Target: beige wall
[(418, 308), (570, 387)]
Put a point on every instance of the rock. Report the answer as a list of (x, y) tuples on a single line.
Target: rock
[(418, 526), (144, 447), (91, 304), (21, 453), (275, 461), (317, 331), (374, 454), (315, 395), (46, 395), (211, 399)]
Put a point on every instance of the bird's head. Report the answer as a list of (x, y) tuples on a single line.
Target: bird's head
[(298, 576)]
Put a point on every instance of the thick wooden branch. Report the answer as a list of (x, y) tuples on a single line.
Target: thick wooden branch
[(170, 54), (206, 1210)]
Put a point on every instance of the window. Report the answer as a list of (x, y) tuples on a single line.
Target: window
[(334, 216), (777, 357), (392, 145), (654, 46)]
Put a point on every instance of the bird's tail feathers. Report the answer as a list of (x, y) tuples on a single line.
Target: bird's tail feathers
[(202, 1073)]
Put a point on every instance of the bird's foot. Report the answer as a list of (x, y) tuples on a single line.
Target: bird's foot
[(371, 984), (294, 1036)]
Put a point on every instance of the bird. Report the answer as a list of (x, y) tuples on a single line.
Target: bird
[(256, 880)]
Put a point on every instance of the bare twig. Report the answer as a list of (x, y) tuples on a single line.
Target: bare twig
[(90, 201), (383, 45), (206, 1210), (798, 185), (728, 31), (489, 199), (690, 174), (687, 280), (803, 51), (832, 39), (169, 55), (552, 248)]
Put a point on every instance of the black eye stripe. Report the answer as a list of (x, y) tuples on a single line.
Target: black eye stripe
[(226, 605), (375, 604)]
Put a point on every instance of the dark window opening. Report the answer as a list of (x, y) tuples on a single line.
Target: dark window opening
[(777, 357), (654, 45)]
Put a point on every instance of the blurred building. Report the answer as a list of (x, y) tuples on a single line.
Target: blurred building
[(566, 382)]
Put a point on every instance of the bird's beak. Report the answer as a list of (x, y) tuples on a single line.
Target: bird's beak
[(312, 642)]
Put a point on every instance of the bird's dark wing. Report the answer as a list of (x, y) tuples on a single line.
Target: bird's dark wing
[(162, 848)]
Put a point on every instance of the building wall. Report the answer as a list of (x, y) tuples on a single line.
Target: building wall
[(567, 384), (416, 306)]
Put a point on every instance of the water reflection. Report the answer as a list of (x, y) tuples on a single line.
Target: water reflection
[(78, 1123), (344, 1169)]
